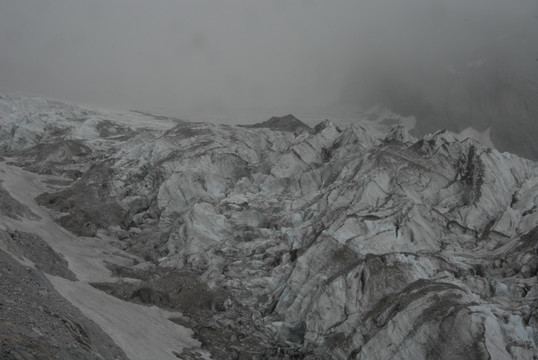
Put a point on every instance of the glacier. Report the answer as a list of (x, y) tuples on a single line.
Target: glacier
[(344, 241)]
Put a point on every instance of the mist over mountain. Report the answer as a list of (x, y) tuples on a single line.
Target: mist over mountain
[(452, 64), (269, 179), (456, 65)]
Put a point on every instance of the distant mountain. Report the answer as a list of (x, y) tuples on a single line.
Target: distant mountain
[(283, 123)]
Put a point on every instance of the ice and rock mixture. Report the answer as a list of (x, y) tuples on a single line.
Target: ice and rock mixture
[(284, 241)]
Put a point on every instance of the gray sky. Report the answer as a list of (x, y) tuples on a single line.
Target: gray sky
[(182, 56)]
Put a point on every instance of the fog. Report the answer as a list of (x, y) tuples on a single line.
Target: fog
[(178, 55), (181, 57), (428, 47)]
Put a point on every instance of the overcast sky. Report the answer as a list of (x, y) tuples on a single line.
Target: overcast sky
[(181, 56)]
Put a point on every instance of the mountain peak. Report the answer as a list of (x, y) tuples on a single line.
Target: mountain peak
[(283, 123)]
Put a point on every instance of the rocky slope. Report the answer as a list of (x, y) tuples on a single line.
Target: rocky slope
[(37, 323), (290, 242)]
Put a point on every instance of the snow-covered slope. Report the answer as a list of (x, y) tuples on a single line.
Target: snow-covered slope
[(354, 242)]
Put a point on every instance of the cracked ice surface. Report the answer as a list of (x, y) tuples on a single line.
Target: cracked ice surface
[(356, 241)]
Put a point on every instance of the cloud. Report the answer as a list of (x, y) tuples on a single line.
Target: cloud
[(183, 56)]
